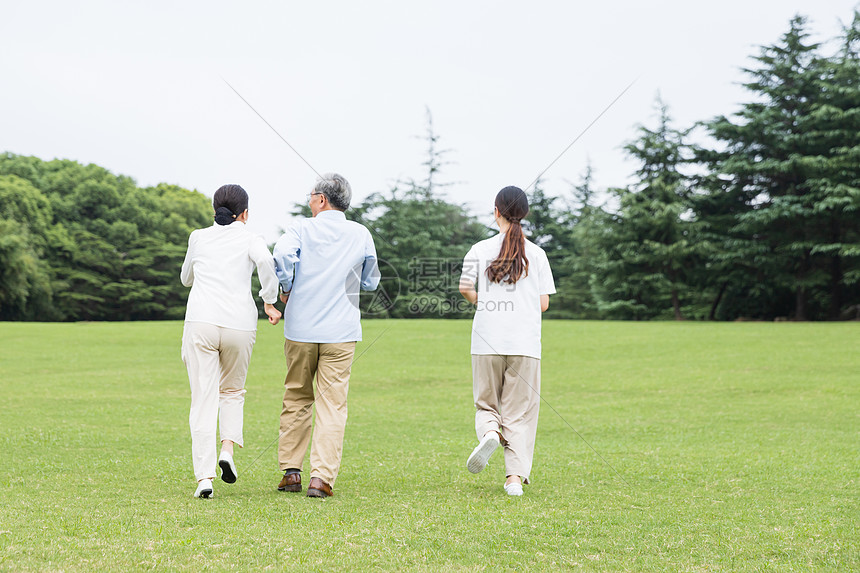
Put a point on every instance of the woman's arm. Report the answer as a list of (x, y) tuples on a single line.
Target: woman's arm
[(544, 302), (467, 289), (547, 285), (469, 277), (268, 279), (186, 275), (273, 313), (262, 258)]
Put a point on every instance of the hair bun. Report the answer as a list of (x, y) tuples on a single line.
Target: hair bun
[(224, 216)]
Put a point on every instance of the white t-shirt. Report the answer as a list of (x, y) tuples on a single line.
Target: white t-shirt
[(508, 316), (218, 267)]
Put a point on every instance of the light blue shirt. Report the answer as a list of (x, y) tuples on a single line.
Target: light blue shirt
[(323, 262)]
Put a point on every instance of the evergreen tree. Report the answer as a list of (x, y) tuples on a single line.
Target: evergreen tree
[(581, 220), (768, 184), (420, 241), (648, 244), (833, 176)]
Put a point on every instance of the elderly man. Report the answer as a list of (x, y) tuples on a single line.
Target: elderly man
[(321, 264)]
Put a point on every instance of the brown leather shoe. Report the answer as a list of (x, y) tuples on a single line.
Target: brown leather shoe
[(319, 488), (291, 482)]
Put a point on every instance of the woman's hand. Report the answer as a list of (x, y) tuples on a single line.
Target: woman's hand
[(273, 313)]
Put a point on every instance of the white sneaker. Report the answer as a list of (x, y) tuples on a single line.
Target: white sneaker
[(481, 454), (514, 489), (204, 488), (228, 468)]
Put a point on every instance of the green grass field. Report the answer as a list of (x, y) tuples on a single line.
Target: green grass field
[(739, 447)]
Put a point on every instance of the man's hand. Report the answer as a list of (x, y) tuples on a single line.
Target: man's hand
[(273, 313), (284, 297)]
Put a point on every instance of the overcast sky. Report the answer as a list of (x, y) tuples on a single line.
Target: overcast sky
[(137, 88)]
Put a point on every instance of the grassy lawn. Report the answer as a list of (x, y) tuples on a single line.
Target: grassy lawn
[(738, 445)]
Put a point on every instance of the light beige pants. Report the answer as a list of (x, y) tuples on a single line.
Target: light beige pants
[(507, 398), (331, 364), (217, 361)]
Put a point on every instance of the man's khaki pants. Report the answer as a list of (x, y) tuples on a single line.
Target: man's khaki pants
[(507, 398), (331, 364)]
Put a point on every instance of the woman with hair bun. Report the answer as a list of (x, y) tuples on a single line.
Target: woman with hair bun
[(220, 329), (509, 280)]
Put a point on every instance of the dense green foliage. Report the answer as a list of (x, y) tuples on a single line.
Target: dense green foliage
[(648, 249), (738, 442), (783, 193), (761, 223), (79, 243), (764, 224)]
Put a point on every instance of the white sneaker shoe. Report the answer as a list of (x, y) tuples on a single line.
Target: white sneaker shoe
[(514, 489), (204, 488), (228, 468), (481, 454)]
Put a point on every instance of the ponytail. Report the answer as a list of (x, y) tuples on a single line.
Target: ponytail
[(512, 264)]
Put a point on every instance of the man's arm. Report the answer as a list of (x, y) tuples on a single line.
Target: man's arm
[(286, 255), (370, 274)]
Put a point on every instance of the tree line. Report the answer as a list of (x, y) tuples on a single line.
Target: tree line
[(79, 243), (763, 223), (760, 223)]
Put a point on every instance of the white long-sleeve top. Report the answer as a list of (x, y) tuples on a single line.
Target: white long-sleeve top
[(218, 267)]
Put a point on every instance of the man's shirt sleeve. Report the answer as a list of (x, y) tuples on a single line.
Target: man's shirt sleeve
[(286, 255), (370, 274)]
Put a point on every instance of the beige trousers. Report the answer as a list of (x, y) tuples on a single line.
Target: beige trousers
[(507, 398), (217, 361), (331, 364)]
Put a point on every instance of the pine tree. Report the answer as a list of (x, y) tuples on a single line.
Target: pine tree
[(421, 239), (580, 223), (833, 173), (648, 243), (761, 208)]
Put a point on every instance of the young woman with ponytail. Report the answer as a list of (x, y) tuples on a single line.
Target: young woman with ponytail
[(509, 280), (220, 329)]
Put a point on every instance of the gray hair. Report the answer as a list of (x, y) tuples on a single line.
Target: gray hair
[(336, 189)]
